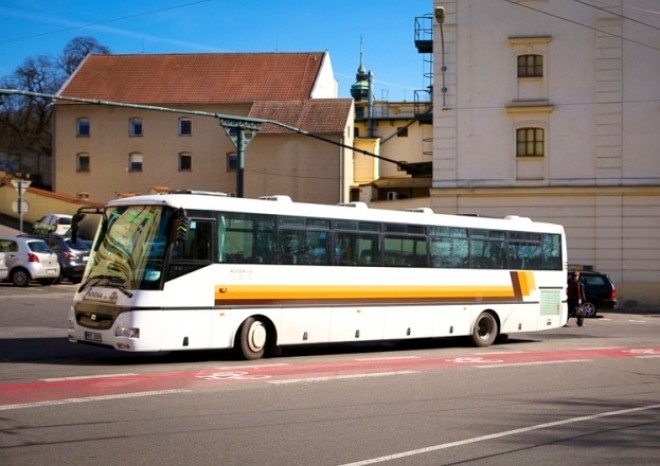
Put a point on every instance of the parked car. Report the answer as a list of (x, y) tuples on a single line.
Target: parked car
[(71, 255), (58, 224), (29, 259), (599, 290), (4, 271)]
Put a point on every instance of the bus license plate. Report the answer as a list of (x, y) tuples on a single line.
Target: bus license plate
[(93, 337)]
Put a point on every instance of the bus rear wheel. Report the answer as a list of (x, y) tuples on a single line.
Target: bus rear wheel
[(485, 330), (253, 338)]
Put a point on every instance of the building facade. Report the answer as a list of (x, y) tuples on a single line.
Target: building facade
[(104, 151), (551, 110)]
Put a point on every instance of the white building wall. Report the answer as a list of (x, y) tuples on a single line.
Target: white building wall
[(598, 105)]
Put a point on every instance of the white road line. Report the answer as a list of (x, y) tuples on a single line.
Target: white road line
[(387, 358), (649, 356), (506, 433), (339, 377), (250, 366), (534, 363), (87, 399), (87, 377)]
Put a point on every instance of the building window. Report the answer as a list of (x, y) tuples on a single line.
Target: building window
[(232, 161), (530, 66), (185, 127), (83, 127), (185, 162), (135, 127), (402, 132), (135, 162), (529, 142), (82, 162)]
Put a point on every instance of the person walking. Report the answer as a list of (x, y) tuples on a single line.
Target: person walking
[(576, 297)]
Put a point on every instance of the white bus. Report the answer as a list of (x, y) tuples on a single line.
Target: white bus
[(198, 270)]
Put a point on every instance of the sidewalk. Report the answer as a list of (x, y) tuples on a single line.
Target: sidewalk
[(10, 226)]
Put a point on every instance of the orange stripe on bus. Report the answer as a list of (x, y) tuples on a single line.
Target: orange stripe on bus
[(522, 285)]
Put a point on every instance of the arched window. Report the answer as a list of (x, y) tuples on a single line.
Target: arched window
[(135, 127), (135, 162), (185, 127), (82, 162), (83, 127), (185, 162), (530, 142)]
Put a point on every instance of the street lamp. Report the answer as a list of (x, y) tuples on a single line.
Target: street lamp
[(440, 19)]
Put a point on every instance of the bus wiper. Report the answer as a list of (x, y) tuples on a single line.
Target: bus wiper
[(112, 281), (120, 286)]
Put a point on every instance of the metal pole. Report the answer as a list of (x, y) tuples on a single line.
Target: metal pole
[(240, 161)]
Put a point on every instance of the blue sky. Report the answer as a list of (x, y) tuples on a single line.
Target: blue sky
[(386, 29)]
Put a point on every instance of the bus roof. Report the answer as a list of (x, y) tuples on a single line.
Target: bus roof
[(283, 205)]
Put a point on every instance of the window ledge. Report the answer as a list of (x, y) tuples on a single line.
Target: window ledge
[(529, 106)]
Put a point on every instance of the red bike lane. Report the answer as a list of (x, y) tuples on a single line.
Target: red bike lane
[(43, 392)]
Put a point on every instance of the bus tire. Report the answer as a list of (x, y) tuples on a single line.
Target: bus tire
[(253, 338), (485, 330)]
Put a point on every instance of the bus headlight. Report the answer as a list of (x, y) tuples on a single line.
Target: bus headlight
[(127, 332)]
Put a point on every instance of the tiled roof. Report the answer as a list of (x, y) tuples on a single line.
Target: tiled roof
[(224, 78), (315, 116)]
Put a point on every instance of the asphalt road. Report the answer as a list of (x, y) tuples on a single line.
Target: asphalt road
[(587, 395)]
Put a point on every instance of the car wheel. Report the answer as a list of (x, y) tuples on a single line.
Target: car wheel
[(589, 309), (20, 277)]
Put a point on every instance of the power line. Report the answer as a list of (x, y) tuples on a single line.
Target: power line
[(606, 10), (516, 3)]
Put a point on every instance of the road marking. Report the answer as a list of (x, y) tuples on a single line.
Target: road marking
[(387, 358), (535, 363), (87, 399), (87, 377), (506, 433), (340, 377), (251, 366)]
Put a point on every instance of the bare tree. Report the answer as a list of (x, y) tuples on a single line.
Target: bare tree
[(25, 122), (76, 51)]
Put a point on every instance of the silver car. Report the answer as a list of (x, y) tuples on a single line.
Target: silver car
[(29, 259)]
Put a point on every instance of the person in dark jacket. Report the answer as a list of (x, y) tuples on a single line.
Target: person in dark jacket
[(576, 297)]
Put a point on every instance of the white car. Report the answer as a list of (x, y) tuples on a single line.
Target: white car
[(29, 259), (4, 271), (57, 224)]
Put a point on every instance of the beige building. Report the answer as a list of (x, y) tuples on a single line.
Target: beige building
[(552, 111), (103, 151)]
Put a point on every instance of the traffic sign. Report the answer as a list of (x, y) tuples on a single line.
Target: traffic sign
[(20, 206), (20, 186)]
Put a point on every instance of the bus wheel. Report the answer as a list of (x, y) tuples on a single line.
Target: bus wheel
[(253, 338), (485, 329)]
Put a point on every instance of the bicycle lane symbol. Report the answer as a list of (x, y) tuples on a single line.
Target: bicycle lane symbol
[(221, 376)]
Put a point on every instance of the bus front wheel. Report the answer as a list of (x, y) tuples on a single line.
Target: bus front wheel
[(253, 338), (485, 330)]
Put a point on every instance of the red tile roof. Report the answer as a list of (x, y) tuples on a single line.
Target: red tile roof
[(315, 116), (225, 78)]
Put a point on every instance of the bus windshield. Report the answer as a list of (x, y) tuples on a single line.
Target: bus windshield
[(129, 251)]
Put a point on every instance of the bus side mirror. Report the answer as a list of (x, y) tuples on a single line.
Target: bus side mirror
[(180, 226), (77, 218)]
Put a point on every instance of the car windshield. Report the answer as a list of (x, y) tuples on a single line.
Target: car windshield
[(64, 221), (130, 247)]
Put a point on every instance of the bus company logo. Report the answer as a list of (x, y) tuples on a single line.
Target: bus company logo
[(100, 296)]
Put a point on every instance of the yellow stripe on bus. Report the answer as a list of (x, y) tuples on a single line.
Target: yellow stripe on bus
[(524, 281)]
